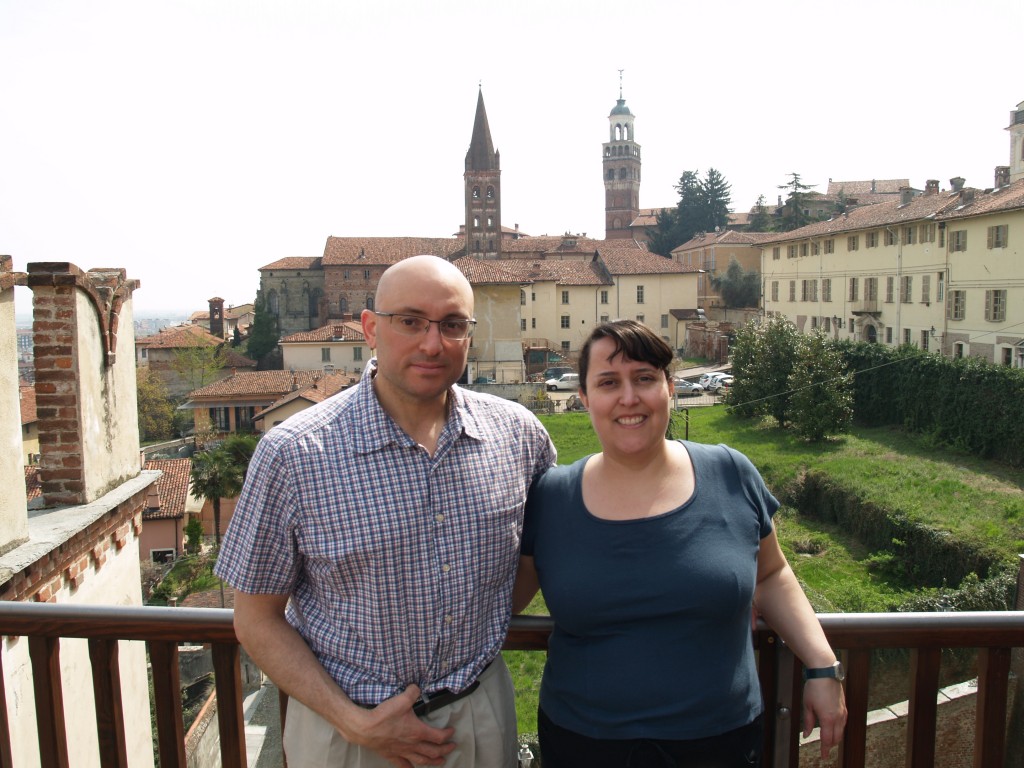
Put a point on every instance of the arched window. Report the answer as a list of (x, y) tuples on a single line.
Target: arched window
[(522, 297), (343, 305), (476, 221), (490, 222), (611, 174), (622, 173), (272, 303), (369, 303), (490, 193)]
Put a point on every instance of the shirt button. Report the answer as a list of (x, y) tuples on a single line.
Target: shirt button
[(439, 517), (448, 619), (446, 567)]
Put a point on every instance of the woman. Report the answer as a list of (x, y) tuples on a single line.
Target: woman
[(650, 555)]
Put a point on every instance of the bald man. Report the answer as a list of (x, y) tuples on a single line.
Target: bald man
[(374, 547)]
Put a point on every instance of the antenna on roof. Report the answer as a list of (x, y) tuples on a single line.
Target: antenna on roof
[(620, 82)]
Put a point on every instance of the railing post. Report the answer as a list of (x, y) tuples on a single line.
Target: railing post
[(990, 707), (106, 688), (51, 729), (923, 711), (786, 706), (6, 758), (230, 717), (853, 750), (170, 731)]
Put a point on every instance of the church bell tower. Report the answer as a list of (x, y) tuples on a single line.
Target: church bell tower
[(621, 166), (483, 190)]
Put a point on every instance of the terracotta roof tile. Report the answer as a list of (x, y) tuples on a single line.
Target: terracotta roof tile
[(387, 250), (487, 271), (178, 337), (636, 262), (862, 189), (1008, 198), (346, 331), (294, 262), (28, 404), (210, 598), (891, 212), (33, 486), (728, 237), (569, 272), (172, 489), (316, 392), (273, 384)]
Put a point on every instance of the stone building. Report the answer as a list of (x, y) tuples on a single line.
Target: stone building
[(310, 293)]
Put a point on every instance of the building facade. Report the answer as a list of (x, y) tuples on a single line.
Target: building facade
[(940, 271)]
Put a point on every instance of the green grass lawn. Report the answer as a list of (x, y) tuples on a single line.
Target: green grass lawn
[(938, 487)]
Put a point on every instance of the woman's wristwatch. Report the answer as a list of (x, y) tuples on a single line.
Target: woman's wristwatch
[(836, 672)]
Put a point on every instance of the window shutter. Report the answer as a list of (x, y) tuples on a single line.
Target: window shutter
[(949, 305), (988, 305), (991, 237)]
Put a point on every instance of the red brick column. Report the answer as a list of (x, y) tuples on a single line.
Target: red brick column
[(58, 331)]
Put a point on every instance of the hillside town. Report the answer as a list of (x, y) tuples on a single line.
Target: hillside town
[(90, 508)]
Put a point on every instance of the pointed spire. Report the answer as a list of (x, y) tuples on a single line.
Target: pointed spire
[(481, 155)]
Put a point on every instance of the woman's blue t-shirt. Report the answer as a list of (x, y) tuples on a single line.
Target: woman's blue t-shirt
[(652, 633)]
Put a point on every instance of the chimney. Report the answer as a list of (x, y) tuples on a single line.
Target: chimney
[(957, 183), (872, 186), (1002, 176), (347, 317), (217, 317), (931, 187), (906, 195)]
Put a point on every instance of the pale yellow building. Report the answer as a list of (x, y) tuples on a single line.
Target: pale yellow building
[(712, 252), (337, 347), (942, 271)]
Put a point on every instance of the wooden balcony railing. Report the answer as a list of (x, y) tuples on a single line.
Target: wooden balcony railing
[(994, 634)]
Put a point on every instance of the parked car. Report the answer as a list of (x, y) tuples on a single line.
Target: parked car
[(568, 382), (555, 372), (684, 387), (717, 385), (710, 380)]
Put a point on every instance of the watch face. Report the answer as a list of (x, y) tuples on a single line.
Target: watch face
[(840, 671)]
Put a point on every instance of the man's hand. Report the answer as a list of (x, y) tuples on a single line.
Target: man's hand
[(394, 732), (825, 705)]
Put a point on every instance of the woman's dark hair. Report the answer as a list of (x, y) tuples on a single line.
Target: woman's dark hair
[(633, 340)]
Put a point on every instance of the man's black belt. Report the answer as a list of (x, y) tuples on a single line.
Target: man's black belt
[(432, 702)]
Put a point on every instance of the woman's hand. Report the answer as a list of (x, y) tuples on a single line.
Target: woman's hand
[(825, 706)]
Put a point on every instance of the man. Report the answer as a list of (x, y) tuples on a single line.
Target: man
[(374, 546)]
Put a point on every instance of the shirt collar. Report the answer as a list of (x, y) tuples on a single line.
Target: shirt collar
[(380, 430)]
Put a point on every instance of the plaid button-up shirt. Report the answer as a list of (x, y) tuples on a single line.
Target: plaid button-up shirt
[(399, 564)]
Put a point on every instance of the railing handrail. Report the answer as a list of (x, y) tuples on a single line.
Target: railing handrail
[(994, 633), (970, 629)]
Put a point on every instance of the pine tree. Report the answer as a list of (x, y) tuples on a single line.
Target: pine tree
[(738, 287), (263, 334), (761, 221), (794, 214)]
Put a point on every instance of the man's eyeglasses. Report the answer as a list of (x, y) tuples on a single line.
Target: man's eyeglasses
[(454, 328)]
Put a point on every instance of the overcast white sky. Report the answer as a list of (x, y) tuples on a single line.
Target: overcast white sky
[(194, 142)]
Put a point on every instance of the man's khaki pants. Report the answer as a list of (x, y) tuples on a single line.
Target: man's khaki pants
[(484, 723)]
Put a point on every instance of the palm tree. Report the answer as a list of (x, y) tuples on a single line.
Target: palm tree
[(215, 475)]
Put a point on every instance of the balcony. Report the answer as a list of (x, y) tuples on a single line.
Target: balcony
[(865, 307), (994, 635)]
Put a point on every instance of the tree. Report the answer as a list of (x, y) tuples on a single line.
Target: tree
[(794, 214), (215, 476), (763, 358), (193, 536), (703, 206), (822, 400), (263, 334), (156, 412), (761, 221), (798, 379), (199, 365), (738, 287)]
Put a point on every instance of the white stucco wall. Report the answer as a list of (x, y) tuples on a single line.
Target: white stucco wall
[(108, 402), (116, 583), (13, 520)]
